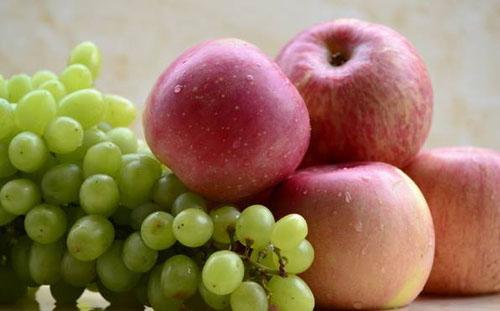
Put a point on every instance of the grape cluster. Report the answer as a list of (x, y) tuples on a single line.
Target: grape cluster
[(84, 205)]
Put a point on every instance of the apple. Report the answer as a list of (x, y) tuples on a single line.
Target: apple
[(367, 91), (371, 230), (462, 187), (226, 120)]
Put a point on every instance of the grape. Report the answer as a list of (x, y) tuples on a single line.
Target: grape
[(140, 213), (91, 137), (249, 296), (76, 77), (42, 76), (193, 227), (65, 294), (298, 259), (7, 123), (27, 152), (113, 273), (289, 231), (217, 302), (121, 112), (39, 103), (157, 232), (99, 195), (6, 168), (102, 158), (45, 262), (223, 218), (188, 200), (136, 180), (3, 88), (124, 138), (85, 106), (223, 272), (265, 258), (56, 88), (18, 86), (64, 135), (290, 294), (12, 288), (76, 272), (87, 53), (155, 293), (167, 189), (20, 254), (90, 237), (136, 255), (18, 196), (61, 184), (5, 217), (254, 226), (179, 277), (45, 223)]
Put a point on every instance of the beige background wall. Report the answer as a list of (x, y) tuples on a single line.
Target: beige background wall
[(459, 40)]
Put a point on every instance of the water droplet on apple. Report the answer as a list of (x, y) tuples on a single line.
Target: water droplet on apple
[(363, 251), (382, 227), (358, 226), (339, 194), (305, 192), (236, 144), (382, 270), (236, 107), (357, 305), (348, 197), (249, 78), (178, 89)]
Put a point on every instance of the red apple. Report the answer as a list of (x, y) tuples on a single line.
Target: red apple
[(226, 120), (367, 90), (371, 230), (462, 187)]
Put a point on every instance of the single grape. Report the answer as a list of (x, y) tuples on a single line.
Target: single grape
[(76, 77), (167, 189), (90, 237), (113, 273), (121, 112), (99, 195), (137, 256), (297, 259), (289, 231), (290, 294), (39, 103), (223, 272), (249, 296), (6, 168), (45, 223), (136, 180), (156, 298), (56, 88), (27, 152), (12, 288), (102, 158), (4, 93), (265, 257), (76, 272), (254, 226), (42, 76), (124, 138), (224, 218), (61, 184), (20, 254), (86, 106), (157, 232), (45, 262), (217, 302), (18, 86), (188, 200), (7, 122), (18, 196), (63, 135), (88, 54), (138, 214), (193, 227), (5, 217), (65, 294), (180, 277)]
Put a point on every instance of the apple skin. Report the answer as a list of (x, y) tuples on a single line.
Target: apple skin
[(462, 187), (371, 230), (226, 120), (377, 106)]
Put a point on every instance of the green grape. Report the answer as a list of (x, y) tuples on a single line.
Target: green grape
[(137, 256), (7, 122), (124, 138), (64, 135), (45, 262), (99, 195), (216, 302), (289, 231), (20, 254), (180, 277), (91, 137), (140, 213), (102, 158), (6, 168), (42, 76), (18, 196), (121, 216), (87, 53), (85, 106), (156, 298), (113, 273), (12, 288), (121, 112), (27, 152), (136, 180), (157, 232), (167, 189), (290, 294), (65, 294), (90, 237), (254, 226), (3, 88), (56, 88), (39, 103), (61, 184), (224, 218), (45, 223), (188, 200), (265, 257), (193, 227), (76, 77), (297, 259), (249, 296), (223, 272), (5, 217), (18, 86), (76, 272)]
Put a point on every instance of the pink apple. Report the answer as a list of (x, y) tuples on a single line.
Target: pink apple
[(226, 120), (462, 187), (367, 90), (371, 230)]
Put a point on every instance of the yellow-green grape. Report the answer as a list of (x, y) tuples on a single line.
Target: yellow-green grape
[(217, 302), (63, 135), (76, 77), (102, 158), (56, 88), (121, 111), (290, 294), (254, 226), (85, 106), (42, 76), (7, 125), (223, 272), (289, 231), (3, 88), (297, 259), (249, 296), (18, 86), (35, 110), (224, 218), (27, 152), (124, 138), (87, 53)]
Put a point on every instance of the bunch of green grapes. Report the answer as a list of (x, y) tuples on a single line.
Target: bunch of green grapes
[(85, 205)]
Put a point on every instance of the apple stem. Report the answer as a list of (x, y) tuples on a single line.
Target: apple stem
[(337, 59)]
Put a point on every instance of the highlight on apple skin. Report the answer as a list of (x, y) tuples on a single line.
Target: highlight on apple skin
[(367, 90), (371, 230), (462, 187), (226, 120)]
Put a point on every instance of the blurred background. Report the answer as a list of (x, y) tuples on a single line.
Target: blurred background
[(459, 41)]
